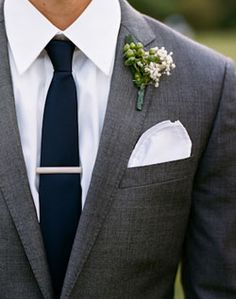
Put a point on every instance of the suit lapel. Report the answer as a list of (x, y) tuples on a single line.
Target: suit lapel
[(13, 176), (121, 130)]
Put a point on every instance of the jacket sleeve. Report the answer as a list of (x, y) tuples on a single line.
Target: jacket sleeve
[(209, 263)]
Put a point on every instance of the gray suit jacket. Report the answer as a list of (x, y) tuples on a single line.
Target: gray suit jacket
[(137, 224)]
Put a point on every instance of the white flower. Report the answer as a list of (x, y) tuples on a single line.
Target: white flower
[(163, 67), (154, 71)]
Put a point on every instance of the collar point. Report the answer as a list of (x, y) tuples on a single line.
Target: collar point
[(22, 68)]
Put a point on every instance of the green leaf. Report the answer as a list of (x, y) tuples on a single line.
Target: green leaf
[(152, 58), (130, 61), (129, 39)]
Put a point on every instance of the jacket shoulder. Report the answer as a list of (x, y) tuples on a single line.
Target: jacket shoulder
[(186, 48)]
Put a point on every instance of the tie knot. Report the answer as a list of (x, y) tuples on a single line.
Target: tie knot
[(61, 53)]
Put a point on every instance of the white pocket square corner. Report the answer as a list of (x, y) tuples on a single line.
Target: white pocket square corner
[(166, 141)]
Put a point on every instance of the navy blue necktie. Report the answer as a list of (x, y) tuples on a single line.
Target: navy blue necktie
[(60, 194)]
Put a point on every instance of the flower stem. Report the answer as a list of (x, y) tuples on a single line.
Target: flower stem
[(140, 98)]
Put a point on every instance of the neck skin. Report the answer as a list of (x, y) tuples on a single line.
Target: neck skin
[(61, 13)]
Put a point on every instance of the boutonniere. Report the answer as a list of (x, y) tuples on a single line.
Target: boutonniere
[(147, 67)]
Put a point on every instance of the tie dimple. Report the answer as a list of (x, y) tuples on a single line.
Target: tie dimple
[(61, 53)]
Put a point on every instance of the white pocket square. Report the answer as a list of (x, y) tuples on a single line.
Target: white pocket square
[(167, 141)]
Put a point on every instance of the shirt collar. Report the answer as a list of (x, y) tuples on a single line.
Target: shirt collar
[(94, 32)]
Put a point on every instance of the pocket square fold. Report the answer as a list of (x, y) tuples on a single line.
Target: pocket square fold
[(166, 141)]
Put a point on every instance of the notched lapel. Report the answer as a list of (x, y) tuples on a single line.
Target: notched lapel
[(13, 176), (122, 127)]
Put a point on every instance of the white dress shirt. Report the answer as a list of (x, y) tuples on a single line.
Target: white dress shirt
[(94, 34)]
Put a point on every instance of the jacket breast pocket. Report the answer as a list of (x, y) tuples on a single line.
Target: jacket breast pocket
[(157, 173)]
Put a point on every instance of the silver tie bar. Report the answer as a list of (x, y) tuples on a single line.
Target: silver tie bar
[(58, 170)]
